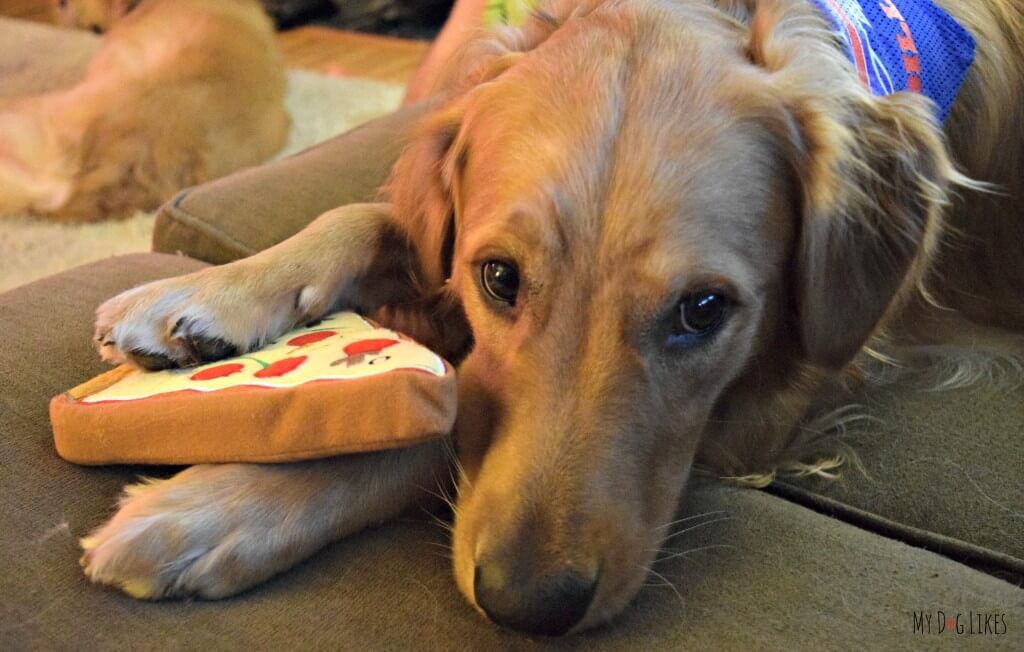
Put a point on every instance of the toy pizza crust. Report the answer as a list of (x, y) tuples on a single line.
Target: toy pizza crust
[(343, 385)]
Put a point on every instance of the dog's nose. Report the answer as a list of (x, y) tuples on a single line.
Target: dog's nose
[(550, 607)]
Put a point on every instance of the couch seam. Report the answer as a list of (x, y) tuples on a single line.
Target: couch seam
[(175, 212), (979, 557)]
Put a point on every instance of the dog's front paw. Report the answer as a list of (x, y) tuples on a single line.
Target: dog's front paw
[(184, 537), (178, 322)]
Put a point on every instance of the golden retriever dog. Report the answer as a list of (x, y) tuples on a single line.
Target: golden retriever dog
[(179, 92), (650, 233)]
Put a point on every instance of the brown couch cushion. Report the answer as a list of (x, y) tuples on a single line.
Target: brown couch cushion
[(788, 578), (248, 211), (945, 471), (35, 58)]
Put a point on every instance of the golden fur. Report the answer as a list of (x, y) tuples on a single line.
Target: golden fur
[(179, 92), (623, 153)]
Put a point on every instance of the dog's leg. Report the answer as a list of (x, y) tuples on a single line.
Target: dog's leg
[(351, 257), (214, 530), (35, 156)]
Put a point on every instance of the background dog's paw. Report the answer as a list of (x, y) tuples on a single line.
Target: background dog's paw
[(162, 325), (172, 539)]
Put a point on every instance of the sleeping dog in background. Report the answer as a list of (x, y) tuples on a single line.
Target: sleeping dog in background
[(651, 233), (179, 92)]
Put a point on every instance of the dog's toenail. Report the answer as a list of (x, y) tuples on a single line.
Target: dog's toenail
[(178, 325), (210, 349)]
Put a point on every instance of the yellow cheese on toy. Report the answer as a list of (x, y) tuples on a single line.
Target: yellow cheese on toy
[(343, 385)]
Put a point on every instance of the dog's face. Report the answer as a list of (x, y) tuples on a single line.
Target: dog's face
[(627, 208), (614, 259)]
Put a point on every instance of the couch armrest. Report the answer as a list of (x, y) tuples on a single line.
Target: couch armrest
[(250, 210)]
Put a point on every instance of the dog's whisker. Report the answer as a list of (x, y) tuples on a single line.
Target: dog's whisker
[(462, 475), (691, 518), (451, 488), (440, 496), (445, 525), (666, 582), (454, 485), (447, 556), (457, 472), (444, 546), (694, 527), (684, 553)]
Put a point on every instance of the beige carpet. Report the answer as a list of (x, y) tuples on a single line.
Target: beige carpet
[(320, 106)]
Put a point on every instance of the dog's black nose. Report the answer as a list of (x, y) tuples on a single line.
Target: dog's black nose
[(550, 607)]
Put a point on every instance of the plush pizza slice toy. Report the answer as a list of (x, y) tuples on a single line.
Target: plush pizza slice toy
[(341, 386)]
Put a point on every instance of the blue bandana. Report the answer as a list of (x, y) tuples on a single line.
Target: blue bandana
[(903, 45)]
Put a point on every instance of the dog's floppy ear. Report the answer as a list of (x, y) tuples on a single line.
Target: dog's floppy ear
[(420, 190), (874, 185), (423, 182), (874, 175)]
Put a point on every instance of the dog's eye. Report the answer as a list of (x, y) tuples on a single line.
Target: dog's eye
[(698, 316), (500, 280)]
